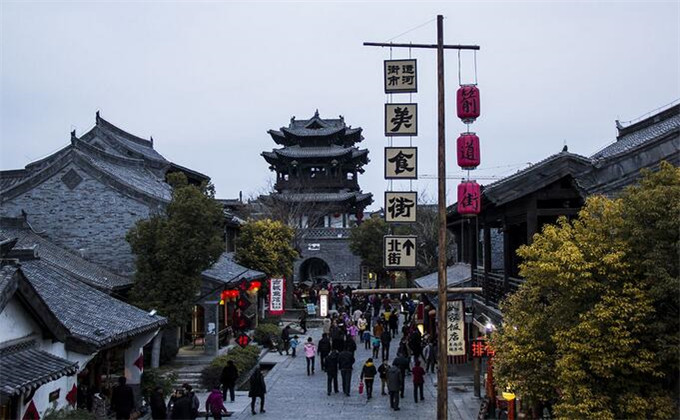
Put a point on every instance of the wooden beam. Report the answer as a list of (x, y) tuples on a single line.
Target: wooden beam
[(426, 290)]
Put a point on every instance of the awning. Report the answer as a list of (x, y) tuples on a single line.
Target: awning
[(23, 370)]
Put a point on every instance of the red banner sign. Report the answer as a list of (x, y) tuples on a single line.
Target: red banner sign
[(277, 295)]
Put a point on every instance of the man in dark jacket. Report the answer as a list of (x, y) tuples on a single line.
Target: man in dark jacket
[(402, 363), (345, 363), (350, 345), (418, 381), (122, 399), (331, 368), (324, 348), (157, 403), (368, 375), (285, 337), (228, 380), (182, 408), (385, 339), (195, 404), (393, 386)]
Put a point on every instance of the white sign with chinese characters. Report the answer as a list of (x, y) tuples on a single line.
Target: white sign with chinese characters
[(277, 291), (399, 251), (401, 163), (400, 206), (401, 76), (323, 303), (455, 328), (401, 119)]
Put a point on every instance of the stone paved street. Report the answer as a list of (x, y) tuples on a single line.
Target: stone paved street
[(291, 394)]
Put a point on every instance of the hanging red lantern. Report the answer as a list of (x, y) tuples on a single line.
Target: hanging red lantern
[(468, 103), (255, 286), (469, 198), (468, 150)]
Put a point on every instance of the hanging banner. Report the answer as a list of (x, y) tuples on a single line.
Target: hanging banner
[(323, 303), (401, 76), (400, 206), (399, 251), (401, 119), (277, 295), (455, 328), (401, 163)]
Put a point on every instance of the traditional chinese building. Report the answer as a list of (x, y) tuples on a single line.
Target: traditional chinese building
[(516, 207), (317, 191)]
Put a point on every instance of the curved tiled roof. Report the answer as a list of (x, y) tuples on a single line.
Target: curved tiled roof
[(226, 270), (24, 370), (322, 197), (89, 316), (59, 258)]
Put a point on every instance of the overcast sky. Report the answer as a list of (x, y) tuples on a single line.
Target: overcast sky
[(208, 79)]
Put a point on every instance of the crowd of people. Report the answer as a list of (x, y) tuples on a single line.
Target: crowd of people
[(372, 321)]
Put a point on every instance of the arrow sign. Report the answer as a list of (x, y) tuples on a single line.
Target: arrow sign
[(408, 246)]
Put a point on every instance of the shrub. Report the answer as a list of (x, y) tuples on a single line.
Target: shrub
[(263, 334), (271, 319), (68, 414), (243, 357), (151, 378)]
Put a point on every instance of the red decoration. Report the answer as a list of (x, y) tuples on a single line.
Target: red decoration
[(140, 362), (255, 285), (468, 103), (72, 396), (468, 150), (243, 285), (243, 340), (31, 412), (481, 348), (469, 198)]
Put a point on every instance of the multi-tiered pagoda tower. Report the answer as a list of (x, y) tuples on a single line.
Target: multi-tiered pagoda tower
[(317, 189)]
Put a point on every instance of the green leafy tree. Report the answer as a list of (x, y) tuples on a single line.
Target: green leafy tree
[(267, 246), (585, 331), (366, 241), (174, 247)]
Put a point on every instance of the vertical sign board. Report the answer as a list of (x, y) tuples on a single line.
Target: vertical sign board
[(277, 293), (401, 163), (323, 303), (401, 76), (401, 120), (399, 251), (400, 206), (455, 328)]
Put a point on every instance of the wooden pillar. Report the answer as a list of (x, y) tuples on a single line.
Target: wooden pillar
[(507, 257), (487, 261)]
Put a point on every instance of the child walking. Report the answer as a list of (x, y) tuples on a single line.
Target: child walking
[(294, 343)]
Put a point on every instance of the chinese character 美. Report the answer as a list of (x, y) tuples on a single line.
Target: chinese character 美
[(400, 161), (400, 207), (402, 117)]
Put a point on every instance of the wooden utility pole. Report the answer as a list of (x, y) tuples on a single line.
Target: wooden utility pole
[(442, 375)]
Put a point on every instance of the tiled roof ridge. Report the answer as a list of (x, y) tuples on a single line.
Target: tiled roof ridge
[(39, 176), (647, 121), (101, 122), (148, 155), (110, 157)]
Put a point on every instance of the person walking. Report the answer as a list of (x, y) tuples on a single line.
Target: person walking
[(378, 329), (293, 344), (257, 389), (393, 321), (303, 321), (310, 354), (393, 386), (195, 404), (285, 337), (350, 345), (375, 343), (181, 409), (366, 338), (122, 399), (385, 340), (431, 357), (228, 380), (418, 381), (368, 375), (403, 363), (324, 347), (214, 405), (331, 367), (382, 372), (157, 403), (345, 364)]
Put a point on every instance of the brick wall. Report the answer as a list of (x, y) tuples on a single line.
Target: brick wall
[(344, 266)]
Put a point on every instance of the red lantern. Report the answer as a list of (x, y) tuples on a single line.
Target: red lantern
[(468, 150), (469, 198), (468, 103), (255, 286)]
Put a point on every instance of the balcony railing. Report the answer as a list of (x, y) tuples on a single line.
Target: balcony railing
[(494, 289), (326, 233)]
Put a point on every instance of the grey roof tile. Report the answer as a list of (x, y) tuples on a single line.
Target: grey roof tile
[(455, 274), (90, 316), (321, 197), (26, 369), (59, 258), (226, 270)]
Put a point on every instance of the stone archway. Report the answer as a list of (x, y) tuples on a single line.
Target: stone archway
[(314, 270)]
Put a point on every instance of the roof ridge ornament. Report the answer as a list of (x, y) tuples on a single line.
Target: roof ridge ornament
[(316, 113), (97, 117)]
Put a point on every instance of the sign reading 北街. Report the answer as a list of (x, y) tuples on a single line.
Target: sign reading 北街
[(401, 119), (401, 163), (401, 76), (455, 328), (400, 206), (399, 251)]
